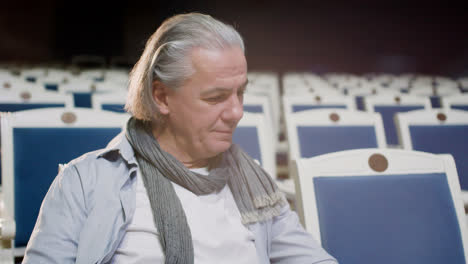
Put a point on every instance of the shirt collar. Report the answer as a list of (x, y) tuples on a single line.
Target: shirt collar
[(121, 145)]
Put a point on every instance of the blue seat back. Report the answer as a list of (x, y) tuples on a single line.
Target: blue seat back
[(300, 107), (82, 99), (317, 140), (114, 107), (253, 108), (51, 86), (435, 101), (13, 107), (37, 154), (388, 220), (360, 105), (451, 139), (460, 106), (247, 138), (388, 113)]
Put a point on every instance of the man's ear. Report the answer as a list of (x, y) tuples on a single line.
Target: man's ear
[(160, 97)]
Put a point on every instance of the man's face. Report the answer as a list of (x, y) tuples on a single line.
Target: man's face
[(203, 113)]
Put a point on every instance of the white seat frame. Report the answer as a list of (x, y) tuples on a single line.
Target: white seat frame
[(264, 137), (355, 163), (428, 117), (43, 118)]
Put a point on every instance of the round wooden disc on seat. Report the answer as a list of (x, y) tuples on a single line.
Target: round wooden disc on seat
[(441, 117), (334, 117), (68, 118), (378, 162), (25, 96)]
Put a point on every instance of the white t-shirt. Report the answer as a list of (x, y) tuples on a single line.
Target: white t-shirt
[(217, 233)]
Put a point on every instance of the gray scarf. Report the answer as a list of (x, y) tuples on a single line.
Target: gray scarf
[(256, 194)]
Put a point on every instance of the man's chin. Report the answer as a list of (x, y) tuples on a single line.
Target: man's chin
[(220, 147)]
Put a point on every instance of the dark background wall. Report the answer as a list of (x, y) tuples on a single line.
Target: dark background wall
[(320, 36)]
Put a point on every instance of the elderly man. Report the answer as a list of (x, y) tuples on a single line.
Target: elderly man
[(173, 188)]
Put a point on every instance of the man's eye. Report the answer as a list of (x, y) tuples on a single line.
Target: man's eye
[(215, 98)]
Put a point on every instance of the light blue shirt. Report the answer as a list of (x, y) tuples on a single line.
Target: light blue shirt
[(91, 202)]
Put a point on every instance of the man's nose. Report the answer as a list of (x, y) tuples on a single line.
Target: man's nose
[(235, 109)]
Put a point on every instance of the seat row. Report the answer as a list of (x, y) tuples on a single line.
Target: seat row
[(253, 135), (35, 142)]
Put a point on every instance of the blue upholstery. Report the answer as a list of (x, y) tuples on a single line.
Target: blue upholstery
[(51, 86), (452, 139), (435, 101), (360, 102), (315, 141), (31, 79), (389, 219), (247, 138), (114, 107), (298, 107), (37, 153), (253, 108), (460, 107), (388, 113), (13, 107), (82, 99)]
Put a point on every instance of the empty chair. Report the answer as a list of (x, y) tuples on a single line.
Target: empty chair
[(17, 100), (96, 74), (109, 101), (307, 83), (343, 81), (261, 104), (52, 82), (292, 104), (445, 83), (456, 102), (111, 87), (400, 83), (317, 132), (433, 91), (8, 81), (31, 75), (116, 76), (438, 131), (265, 79), (266, 87), (13, 100), (383, 206), (387, 106), (254, 137), (293, 80), (370, 89), (14, 83), (34, 143), (81, 89)]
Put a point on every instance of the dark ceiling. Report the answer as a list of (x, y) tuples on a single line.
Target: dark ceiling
[(321, 36)]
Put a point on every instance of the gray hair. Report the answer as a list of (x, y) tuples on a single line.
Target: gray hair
[(166, 57)]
